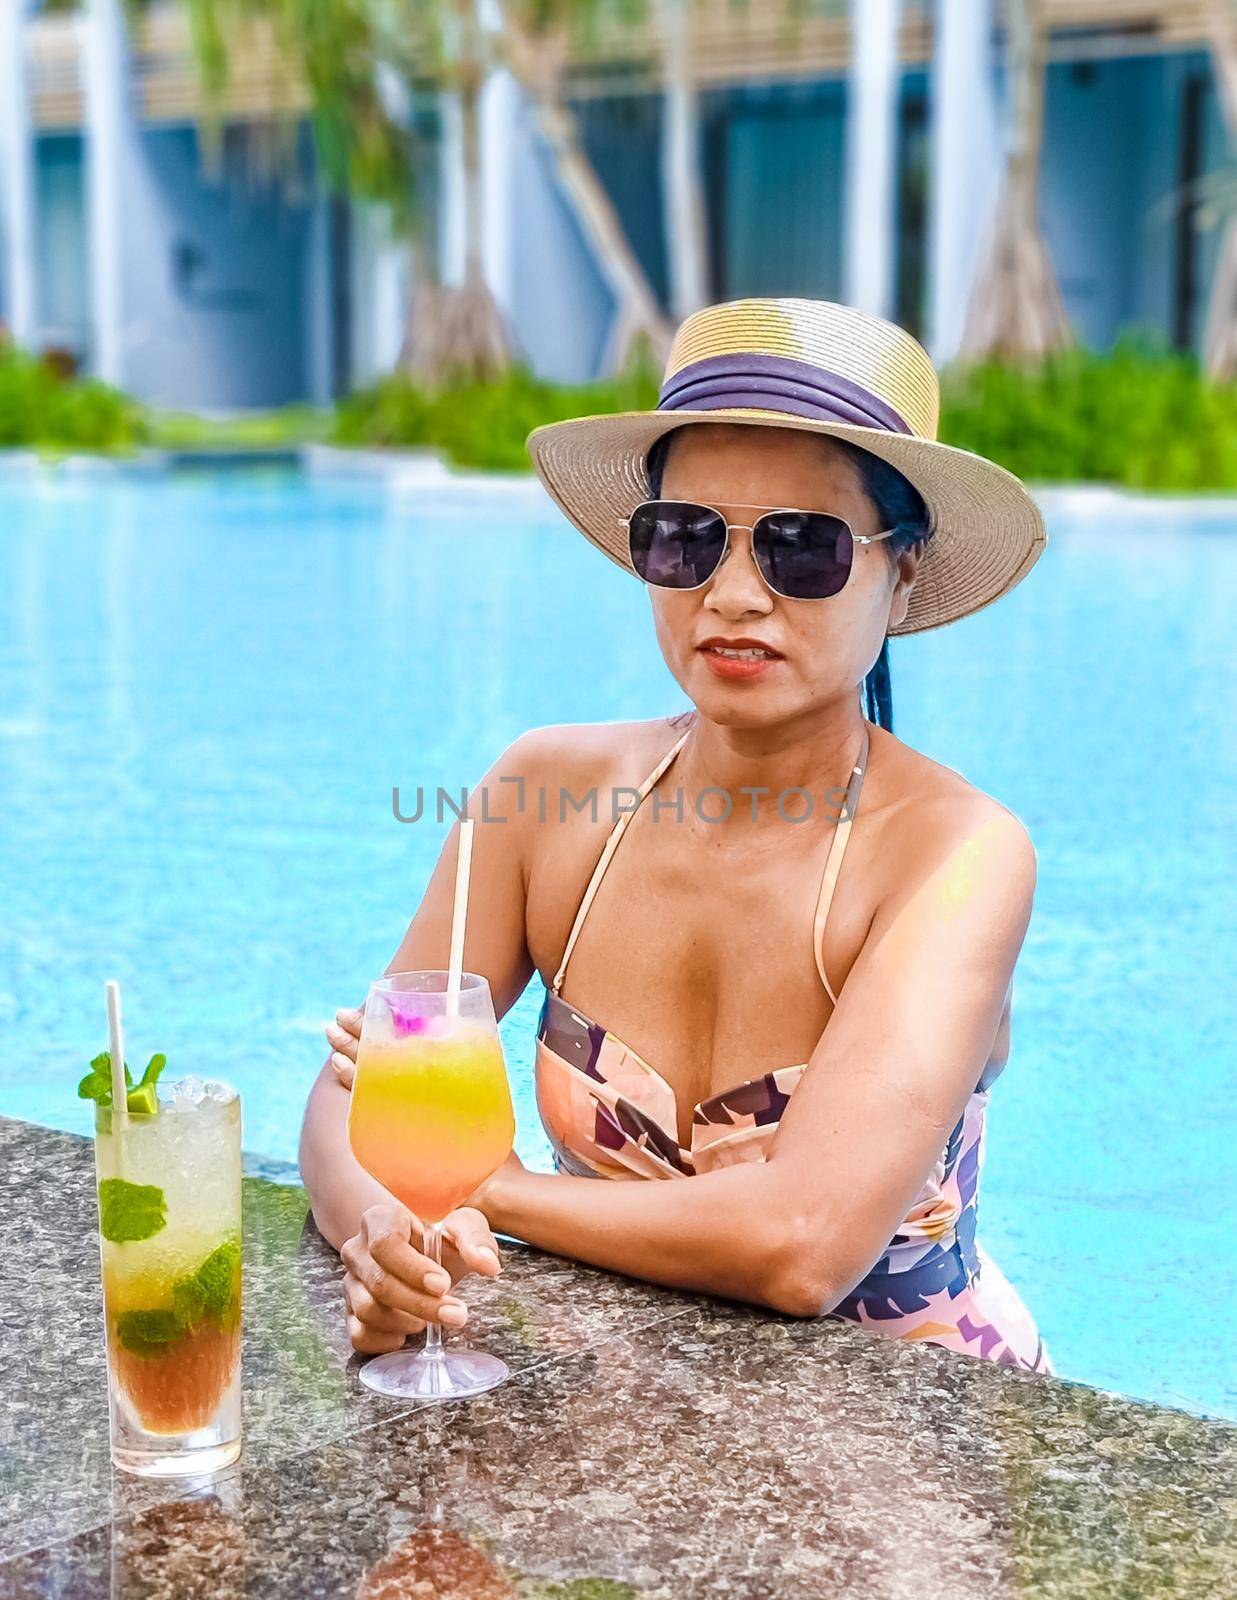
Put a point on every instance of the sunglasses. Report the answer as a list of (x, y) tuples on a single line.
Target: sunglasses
[(801, 555)]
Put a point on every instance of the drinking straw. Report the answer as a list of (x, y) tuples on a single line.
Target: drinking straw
[(459, 914), (120, 1097)]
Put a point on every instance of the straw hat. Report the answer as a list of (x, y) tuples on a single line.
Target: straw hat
[(824, 368)]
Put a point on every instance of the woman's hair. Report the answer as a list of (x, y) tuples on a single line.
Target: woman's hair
[(898, 505)]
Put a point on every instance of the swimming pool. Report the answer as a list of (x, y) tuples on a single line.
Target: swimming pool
[(209, 685)]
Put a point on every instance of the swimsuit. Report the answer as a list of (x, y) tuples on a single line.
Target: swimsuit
[(609, 1114)]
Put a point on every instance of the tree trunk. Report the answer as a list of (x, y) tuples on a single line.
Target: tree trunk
[(458, 331), (538, 64), (1015, 311), (684, 190), (1220, 338)]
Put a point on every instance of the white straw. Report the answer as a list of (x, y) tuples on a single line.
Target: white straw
[(459, 916), (120, 1097)]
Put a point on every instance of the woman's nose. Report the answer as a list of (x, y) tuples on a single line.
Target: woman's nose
[(737, 586)]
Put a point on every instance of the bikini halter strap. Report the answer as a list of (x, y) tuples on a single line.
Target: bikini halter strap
[(833, 862), (612, 844)]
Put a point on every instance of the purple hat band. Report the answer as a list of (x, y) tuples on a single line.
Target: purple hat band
[(776, 383)]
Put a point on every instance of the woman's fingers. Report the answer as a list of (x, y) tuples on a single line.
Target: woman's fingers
[(343, 1036), (372, 1285), (342, 1041), (397, 1276), (468, 1234), (369, 1341), (392, 1252), (366, 1309), (350, 1020)]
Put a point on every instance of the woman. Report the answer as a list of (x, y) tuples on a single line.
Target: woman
[(810, 1050)]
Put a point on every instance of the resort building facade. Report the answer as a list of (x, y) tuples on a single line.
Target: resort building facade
[(856, 156)]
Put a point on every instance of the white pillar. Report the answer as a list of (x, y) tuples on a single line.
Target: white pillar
[(381, 280), (109, 136), (683, 181), (500, 104), (871, 157), (17, 191), (966, 164)]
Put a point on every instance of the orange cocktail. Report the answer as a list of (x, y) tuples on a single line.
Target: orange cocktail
[(431, 1119), (431, 1114)]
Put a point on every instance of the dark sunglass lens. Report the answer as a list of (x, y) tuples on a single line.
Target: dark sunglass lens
[(676, 544), (804, 555)]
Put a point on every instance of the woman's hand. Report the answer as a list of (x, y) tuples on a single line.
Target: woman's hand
[(391, 1289), (343, 1035)]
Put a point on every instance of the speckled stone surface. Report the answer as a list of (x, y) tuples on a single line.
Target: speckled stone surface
[(649, 1444)]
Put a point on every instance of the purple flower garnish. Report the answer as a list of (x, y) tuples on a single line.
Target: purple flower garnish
[(404, 1019)]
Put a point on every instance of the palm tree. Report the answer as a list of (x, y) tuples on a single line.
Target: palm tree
[(458, 328), (1016, 311), (362, 61), (537, 39)]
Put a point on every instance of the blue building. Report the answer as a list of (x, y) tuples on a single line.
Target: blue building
[(858, 160)]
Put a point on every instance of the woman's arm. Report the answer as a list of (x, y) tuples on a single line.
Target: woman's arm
[(889, 1079), (340, 1190)]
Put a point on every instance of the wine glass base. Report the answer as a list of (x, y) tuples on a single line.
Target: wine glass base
[(453, 1375)]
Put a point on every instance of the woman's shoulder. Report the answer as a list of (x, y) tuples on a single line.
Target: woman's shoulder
[(934, 812), (569, 753)]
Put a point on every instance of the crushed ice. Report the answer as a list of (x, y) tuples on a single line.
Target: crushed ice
[(193, 1091)]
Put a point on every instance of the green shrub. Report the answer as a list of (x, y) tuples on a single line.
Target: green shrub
[(41, 409), (285, 428), (1140, 415), (483, 425)]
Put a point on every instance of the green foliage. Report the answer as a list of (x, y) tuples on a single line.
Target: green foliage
[(483, 425), (42, 409), (285, 428), (363, 61), (1141, 416)]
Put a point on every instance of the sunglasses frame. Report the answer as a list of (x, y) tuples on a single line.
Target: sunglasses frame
[(749, 527)]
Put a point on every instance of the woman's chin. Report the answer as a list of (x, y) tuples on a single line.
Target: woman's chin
[(737, 702)]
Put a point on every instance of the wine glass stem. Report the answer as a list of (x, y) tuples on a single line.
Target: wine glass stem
[(433, 1330)]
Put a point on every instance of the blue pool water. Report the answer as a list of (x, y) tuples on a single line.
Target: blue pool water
[(210, 684)]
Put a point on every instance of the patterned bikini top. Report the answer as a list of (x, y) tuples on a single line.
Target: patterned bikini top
[(608, 1113)]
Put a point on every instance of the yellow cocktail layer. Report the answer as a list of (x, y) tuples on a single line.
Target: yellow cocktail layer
[(431, 1118)]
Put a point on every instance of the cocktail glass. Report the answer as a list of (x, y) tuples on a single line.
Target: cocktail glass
[(170, 1234), (431, 1118)]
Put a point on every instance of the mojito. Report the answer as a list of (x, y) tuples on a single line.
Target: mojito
[(170, 1226)]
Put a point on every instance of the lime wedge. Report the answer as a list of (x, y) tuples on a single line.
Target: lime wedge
[(143, 1100)]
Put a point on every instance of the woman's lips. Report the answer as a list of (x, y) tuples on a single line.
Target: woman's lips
[(736, 668)]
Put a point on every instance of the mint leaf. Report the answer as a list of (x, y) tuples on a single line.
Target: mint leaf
[(130, 1211), (141, 1099), (148, 1333), (154, 1067), (188, 1299), (219, 1275), (97, 1084)]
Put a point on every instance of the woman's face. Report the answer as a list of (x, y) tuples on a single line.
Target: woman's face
[(821, 649)]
